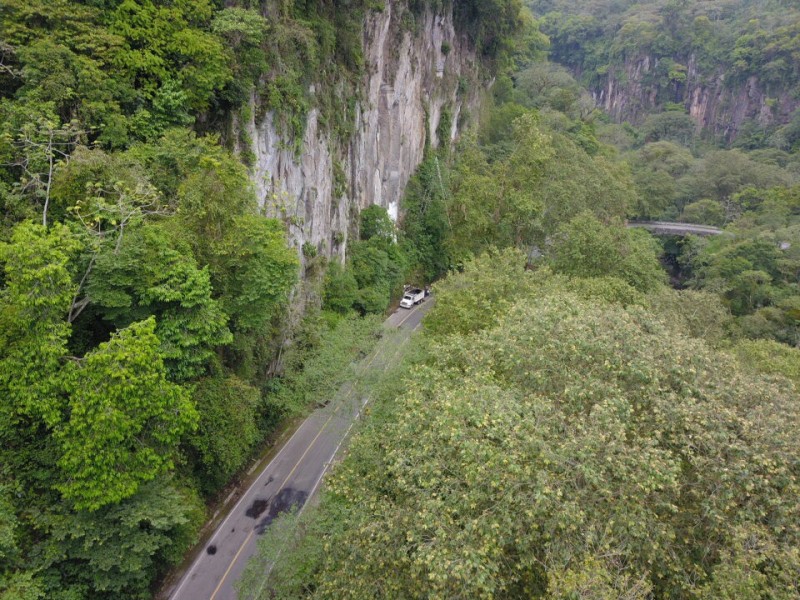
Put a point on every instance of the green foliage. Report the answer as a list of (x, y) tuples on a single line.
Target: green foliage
[(163, 58), (705, 212), (35, 299), (546, 85), (341, 289), (254, 271), (536, 181), (753, 266), (490, 23), (444, 127), (657, 169), (213, 194), (151, 530), (714, 188), (770, 357), (321, 360), (486, 287), (378, 267), (165, 42), (106, 191), (21, 586), (425, 224), (243, 31), (723, 174), (574, 447), (498, 125), (227, 428), (148, 256), (668, 126), (376, 223), (474, 298), (691, 312), (499, 204), (8, 527), (152, 275), (598, 185), (309, 250), (606, 288), (33, 144), (586, 247), (125, 419), (375, 269), (755, 567)]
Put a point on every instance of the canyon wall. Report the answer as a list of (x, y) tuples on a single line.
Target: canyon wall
[(718, 106), (412, 78)]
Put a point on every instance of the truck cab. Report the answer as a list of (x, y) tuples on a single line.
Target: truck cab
[(411, 297)]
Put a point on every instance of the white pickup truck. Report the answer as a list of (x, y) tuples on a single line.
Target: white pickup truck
[(411, 297)]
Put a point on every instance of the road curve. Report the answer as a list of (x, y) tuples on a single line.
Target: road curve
[(288, 481)]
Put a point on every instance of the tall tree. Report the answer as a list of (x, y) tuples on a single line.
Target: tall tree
[(124, 419)]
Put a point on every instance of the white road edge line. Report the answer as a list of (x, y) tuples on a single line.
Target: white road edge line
[(328, 464), (186, 577), (221, 526)]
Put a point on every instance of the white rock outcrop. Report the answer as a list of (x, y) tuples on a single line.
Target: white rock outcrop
[(409, 83)]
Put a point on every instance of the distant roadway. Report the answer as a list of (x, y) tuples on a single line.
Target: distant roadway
[(669, 228), (291, 478)]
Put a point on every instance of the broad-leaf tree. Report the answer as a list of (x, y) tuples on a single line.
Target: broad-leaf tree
[(124, 419)]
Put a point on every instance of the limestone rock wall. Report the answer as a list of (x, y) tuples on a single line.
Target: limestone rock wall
[(409, 83), (714, 104)]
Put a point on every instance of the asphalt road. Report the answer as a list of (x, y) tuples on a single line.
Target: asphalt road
[(291, 478)]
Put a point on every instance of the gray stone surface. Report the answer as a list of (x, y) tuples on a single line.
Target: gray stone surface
[(408, 82)]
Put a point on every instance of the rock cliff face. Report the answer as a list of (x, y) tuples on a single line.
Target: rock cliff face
[(715, 105), (412, 79)]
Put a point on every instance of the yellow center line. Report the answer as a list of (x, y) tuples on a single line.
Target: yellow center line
[(311, 445), (329, 463), (335, 452), (233, 562), (409, 316), (372, 360)]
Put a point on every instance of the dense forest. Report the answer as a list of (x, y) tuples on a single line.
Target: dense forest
[(150, 344), (590, 413), (578, 421), (731, 63), (141, 288)]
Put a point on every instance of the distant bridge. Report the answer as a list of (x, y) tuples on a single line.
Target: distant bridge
[(668, 228)]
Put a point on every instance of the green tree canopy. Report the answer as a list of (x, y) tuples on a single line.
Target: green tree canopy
[(227, 427), (81, 557), (376, 222), (152, 274), (35, 300), (124, 421), (585, 247), (573, 448)]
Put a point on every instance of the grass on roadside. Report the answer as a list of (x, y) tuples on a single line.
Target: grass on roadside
[(295, 545), (322, 359)]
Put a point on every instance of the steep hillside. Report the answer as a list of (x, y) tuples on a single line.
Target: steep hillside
[(421, 75), (169, 173), (730, 64)]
